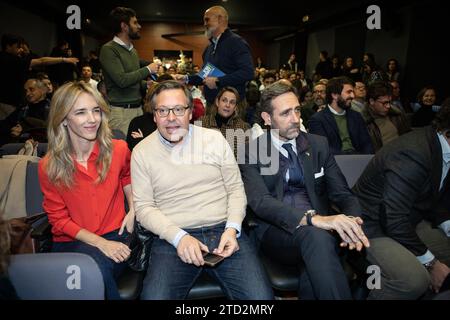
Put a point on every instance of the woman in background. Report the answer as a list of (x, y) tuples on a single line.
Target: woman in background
[(425, 108), (392, 70), (225, 116)]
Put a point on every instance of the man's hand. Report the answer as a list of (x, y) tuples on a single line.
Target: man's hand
[(438, 273), (190, 250), (228, 243), (210, 82), (115, 250), (348, 228), (128, 222), (71, 60), (181, 78), (154, 67)]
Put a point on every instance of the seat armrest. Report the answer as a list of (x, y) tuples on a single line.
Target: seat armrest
[(42, 231)]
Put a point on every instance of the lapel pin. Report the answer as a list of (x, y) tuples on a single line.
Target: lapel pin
[(307, 153)]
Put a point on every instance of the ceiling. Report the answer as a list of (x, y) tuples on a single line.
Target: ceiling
[(272, 19)]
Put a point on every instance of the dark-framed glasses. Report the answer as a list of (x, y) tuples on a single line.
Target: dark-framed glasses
[(177, 111), (385, 103)]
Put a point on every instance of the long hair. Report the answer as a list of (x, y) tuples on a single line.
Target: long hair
[(60, 166), (422, 93)]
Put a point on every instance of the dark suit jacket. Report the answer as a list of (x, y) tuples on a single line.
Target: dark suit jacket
[(400, 187), (324, 124), (314, 155), (233, 57)]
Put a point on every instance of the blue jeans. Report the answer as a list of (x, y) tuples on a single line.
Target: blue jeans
[(241, 275), (109, 269)]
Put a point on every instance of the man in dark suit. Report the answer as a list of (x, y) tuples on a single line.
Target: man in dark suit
[(344, 128), (405, 196), (291, 179), (229, 53)]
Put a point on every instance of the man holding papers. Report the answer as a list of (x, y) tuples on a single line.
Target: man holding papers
[(227, 61)]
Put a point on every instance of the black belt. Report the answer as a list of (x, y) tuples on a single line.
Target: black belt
[(127, 105)]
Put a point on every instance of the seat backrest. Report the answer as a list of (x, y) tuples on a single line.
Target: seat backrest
[(33, 193), (10, 148), (119, 135), (56, 276), (352, 166), (13, 148)]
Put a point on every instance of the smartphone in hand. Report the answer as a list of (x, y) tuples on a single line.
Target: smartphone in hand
[(211, 259)]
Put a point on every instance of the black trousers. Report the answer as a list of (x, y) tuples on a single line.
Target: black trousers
[(315, 252)]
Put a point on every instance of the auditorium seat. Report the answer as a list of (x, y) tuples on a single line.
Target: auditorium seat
[(284, 279), (130, 283), (13, 148), (56, 276)]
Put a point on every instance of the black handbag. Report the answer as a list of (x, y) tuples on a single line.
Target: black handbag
[(141, 241)]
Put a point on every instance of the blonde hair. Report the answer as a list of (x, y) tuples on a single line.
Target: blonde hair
[(60, 167)]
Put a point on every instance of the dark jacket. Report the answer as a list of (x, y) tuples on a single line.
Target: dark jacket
[(397, 118), (324, 124), (145, 123), (400, 188), (263, 176), (307, 111), (233, 57)]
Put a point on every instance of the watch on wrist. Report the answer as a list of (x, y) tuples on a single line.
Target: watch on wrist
[(309, 214), (430, 264)]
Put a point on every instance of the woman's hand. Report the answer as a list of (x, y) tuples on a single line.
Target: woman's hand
[(117, 251), (128, 222)]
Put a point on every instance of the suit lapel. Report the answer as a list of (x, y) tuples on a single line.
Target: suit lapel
[(331, 121), (278, 177), (436, 163), (305, 155)]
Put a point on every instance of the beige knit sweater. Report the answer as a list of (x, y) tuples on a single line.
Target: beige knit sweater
[(195, 184)]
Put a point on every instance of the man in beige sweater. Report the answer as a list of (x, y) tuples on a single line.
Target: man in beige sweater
[(187, 190)]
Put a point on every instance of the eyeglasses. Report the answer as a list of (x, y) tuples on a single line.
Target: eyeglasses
[(385, 103), (177, 111)]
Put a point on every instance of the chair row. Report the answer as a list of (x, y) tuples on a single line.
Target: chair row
[(282, 278)]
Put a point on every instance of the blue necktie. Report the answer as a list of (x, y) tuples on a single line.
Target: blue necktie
[(295, 170)]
